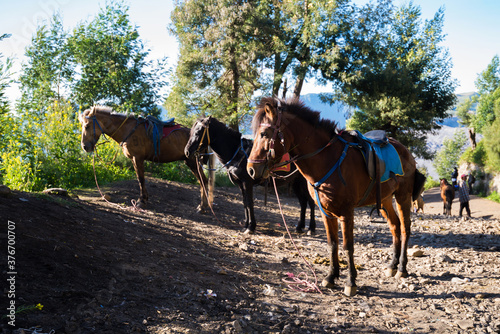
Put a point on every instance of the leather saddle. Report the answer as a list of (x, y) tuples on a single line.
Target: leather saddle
[(367, 142)]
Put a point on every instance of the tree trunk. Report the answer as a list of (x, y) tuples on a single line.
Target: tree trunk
[(472, 138)]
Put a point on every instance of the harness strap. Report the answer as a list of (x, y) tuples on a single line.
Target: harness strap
[(330, 172), (240, 148), (131, 132)]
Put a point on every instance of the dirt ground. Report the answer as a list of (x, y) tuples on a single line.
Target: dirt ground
[(98, 268)]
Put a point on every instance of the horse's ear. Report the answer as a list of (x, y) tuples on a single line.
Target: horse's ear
[(92, 111), (270, 110)]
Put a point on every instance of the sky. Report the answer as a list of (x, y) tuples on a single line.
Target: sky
[(472, 30)]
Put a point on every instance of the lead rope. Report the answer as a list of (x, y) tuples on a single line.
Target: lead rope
[(205, 191), (296, 282), (134, 206)]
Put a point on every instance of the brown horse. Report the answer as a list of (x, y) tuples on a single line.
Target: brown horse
[(131, 134), (447, 194), (337, 177)]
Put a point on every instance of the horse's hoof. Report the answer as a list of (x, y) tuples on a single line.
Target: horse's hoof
[(389, 272), (350, 291), (327, 284), (248, 231), (299, 230), (311, 232), (201, 209), (400, 274)]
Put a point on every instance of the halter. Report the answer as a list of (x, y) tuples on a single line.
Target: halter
[(207, 133), (276, 133), (94, 122)]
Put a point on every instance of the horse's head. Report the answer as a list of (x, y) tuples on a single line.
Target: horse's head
[(91, 130), (269, 141), (443, 183), (199, 137)]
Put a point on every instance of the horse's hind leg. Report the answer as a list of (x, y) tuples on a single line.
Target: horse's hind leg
[(247, 192), (300, 190), (202, 180), (403, 204), (395, 227), (139, 171)]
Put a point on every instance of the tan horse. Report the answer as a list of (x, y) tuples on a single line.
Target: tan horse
[(131, 134), (337, 176)]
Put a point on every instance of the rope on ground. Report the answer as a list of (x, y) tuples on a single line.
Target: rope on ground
[(296, 282), (134, 206)]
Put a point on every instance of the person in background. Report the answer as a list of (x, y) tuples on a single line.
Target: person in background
[(470, 180), (463, 195), (454, 177)]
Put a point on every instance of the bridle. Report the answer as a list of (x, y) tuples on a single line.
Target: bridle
[(206, 132), (94, 122), (271, 154)]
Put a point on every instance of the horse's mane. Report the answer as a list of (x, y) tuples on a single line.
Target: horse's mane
[(298, 108), (221, 128), (106, 111)]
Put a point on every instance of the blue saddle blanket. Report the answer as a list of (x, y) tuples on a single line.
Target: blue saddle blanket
[(392, 161), (388, 154)]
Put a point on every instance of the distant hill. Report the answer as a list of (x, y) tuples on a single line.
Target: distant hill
[(465, 96)]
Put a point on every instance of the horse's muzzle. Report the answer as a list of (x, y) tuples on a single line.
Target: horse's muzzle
[(257, 171), (88, 147)]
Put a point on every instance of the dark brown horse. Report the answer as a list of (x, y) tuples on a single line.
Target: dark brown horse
[(447, 194), (232, 151), (131, 134), (337, 176)]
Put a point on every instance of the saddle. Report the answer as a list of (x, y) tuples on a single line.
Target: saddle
[(370, 145), (154, 130), (156, 121)]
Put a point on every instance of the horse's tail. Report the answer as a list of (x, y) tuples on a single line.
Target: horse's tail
[(418, 184)]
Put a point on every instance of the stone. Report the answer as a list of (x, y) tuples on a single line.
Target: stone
[(412, 252), (56, 191), (4, 190), (465, 324)]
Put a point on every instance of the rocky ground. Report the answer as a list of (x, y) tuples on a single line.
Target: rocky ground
[(96, 268)]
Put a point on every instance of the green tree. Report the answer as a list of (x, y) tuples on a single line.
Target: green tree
[(396, 73), (5, 81), (46, 75), (216, 72), (230, 50), (492, 133), (112, 64), (466, 116), (448, 156), (300, 33), (487, 83), (43, 149), (489, 80)]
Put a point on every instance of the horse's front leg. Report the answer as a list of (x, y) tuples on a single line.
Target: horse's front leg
[(197, 170), (139, 171), (347, 223), (247, 191), (332, 235)]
